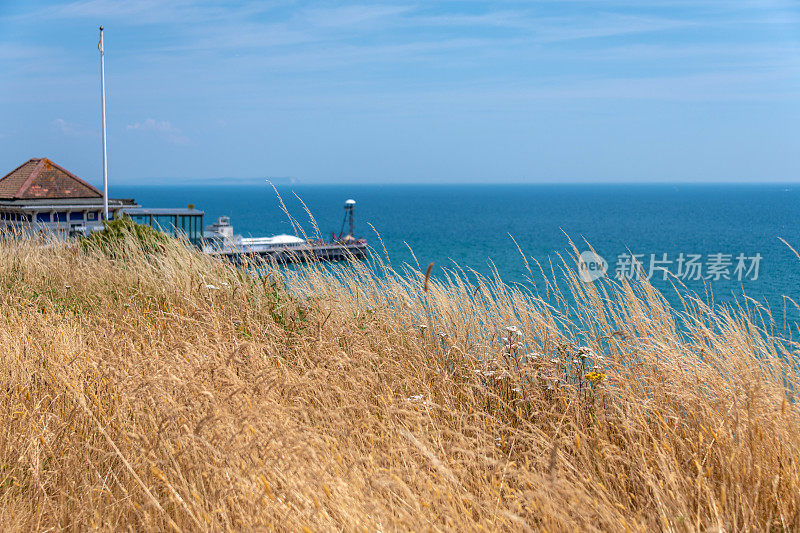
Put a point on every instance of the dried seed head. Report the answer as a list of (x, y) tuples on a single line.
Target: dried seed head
[(584, 352)]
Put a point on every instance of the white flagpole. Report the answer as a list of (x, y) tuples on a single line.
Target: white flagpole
[(103, 114)]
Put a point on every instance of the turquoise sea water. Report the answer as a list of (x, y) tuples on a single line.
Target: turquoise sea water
[(471, 224)]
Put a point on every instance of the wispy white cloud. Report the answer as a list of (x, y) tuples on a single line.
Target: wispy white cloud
[(562, 29), (22, 52), (162, 127), (133, 11), (176, 13), (543, 28), (349, 16), (200, 26), (71, 129)]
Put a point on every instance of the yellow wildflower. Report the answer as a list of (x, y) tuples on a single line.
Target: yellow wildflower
[(595, 377)]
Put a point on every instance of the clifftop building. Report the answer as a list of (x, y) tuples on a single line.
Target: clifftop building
[(40, 195)]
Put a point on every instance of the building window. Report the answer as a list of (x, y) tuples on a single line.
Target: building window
[(76, 215), (60, 216), (91, 215), (190, 226), (42, 217), (165, 223)]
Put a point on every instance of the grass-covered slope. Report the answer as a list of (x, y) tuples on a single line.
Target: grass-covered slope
[(155, 388)]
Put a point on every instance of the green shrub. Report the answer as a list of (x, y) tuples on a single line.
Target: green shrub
[(116, 234)]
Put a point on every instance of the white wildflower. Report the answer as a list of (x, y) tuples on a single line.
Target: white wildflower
[(584, 352), (514, 330)]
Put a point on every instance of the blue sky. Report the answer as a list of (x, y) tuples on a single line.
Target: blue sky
[(434, 91)]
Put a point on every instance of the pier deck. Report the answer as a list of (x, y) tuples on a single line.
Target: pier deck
[(295, 254)]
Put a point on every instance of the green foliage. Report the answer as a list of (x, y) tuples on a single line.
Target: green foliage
[(285, 308), (117, 233)]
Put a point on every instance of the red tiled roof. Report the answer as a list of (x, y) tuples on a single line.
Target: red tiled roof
[(41, 178)]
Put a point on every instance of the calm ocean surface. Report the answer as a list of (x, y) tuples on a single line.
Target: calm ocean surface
[(470, 225)]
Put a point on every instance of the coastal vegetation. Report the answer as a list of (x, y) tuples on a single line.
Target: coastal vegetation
[(169, 390)]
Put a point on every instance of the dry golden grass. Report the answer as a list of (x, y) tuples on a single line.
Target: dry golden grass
[(171, 391)]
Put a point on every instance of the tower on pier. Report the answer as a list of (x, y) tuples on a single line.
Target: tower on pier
[(349, 219)]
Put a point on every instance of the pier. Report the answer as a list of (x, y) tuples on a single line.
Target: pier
[(308, 251), (219, 240)]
